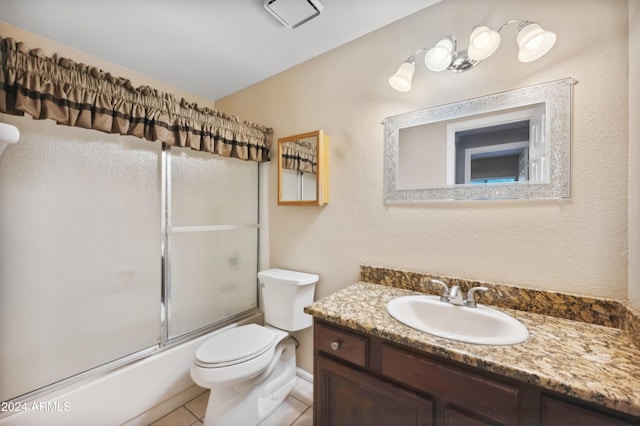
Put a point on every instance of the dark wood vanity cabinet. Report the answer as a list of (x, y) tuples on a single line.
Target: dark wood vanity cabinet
[(352, 397), (364, 380)]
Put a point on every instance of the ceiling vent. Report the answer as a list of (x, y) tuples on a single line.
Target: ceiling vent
[(293, 13)]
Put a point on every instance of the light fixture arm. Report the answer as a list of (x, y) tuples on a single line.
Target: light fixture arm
[(513, 21), (412, 59), (460, 60)]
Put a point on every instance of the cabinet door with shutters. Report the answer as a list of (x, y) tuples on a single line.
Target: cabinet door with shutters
[(349, 397)]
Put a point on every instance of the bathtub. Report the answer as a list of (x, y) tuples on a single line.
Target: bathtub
[(136, 394)]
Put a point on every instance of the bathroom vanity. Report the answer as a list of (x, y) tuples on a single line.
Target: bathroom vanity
[(372, 370)]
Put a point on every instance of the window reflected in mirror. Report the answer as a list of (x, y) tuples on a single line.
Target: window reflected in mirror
[(513, 144), (507, 146)]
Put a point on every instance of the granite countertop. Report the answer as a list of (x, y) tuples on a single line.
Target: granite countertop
[(591, 362)]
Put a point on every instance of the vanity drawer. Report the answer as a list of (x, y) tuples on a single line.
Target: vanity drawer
[(490, 398), (341, 344)]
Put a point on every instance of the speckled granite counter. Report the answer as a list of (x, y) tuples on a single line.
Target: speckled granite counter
[(595, 363)]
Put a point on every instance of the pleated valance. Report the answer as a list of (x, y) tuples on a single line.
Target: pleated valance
[(301, 156), (79, 95)]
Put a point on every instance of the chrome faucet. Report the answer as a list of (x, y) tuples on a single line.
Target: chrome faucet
[(454, 295), (471, 300), (444, 296)]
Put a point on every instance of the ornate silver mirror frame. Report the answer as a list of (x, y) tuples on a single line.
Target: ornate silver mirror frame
[(557, 97)]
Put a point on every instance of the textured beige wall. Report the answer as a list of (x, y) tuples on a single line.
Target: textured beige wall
[(634, 153), (577, 245)]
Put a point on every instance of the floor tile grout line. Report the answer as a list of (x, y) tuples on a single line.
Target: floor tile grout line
[(301, 414), (191, 411), (301, 400)]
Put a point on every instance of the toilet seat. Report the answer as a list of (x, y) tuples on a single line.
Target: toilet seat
[(235, 346)]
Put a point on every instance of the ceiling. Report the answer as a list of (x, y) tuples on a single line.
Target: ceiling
[(211, 48)]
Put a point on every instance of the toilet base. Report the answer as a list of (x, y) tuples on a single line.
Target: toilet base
[(249, 403)]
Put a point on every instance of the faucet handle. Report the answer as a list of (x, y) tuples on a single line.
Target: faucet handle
[(471, 300), (444, 297)]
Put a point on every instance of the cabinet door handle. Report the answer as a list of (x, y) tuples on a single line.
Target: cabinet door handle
[(335, 345)]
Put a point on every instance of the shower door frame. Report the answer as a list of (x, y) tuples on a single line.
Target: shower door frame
[(167, 230), (164, 342)]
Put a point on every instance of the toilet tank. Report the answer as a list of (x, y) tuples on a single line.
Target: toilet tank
[(285, 294)]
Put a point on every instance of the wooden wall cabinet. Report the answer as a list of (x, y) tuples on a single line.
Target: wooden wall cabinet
[(364, 380)]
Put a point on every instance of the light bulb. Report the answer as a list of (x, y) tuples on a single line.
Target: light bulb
[(439, 57), (483, 42), (534, 42), (401, 80)]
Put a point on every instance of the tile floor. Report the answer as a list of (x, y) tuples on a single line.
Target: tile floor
[(296, 410)]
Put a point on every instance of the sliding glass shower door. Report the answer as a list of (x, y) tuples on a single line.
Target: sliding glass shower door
[(212, 240), (79, 265), (86, 221)]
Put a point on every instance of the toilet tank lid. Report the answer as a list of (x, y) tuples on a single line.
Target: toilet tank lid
[(285, 276)]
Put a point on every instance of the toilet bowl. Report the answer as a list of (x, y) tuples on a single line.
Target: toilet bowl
[(251, 369)]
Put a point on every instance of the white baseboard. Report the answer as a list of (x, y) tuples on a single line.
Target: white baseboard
[(303, 374)]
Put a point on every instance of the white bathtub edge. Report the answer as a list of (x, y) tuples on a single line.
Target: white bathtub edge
[(120, 396)]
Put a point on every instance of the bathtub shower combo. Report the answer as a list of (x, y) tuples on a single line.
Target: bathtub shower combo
[(113, 250)]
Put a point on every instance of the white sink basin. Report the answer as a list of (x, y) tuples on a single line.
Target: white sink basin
[(480, 325)]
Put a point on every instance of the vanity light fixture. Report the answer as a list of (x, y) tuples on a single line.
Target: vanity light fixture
[(533, 42)]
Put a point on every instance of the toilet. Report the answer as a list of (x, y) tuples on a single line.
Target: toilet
[(251, 369)]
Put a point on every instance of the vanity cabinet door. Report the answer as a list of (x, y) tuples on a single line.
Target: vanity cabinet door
[(482, 398), (360, 379), (453, 417), (349, 397)]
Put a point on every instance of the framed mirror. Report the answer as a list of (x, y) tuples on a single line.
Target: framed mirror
[(509, 145), (303, 170)]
